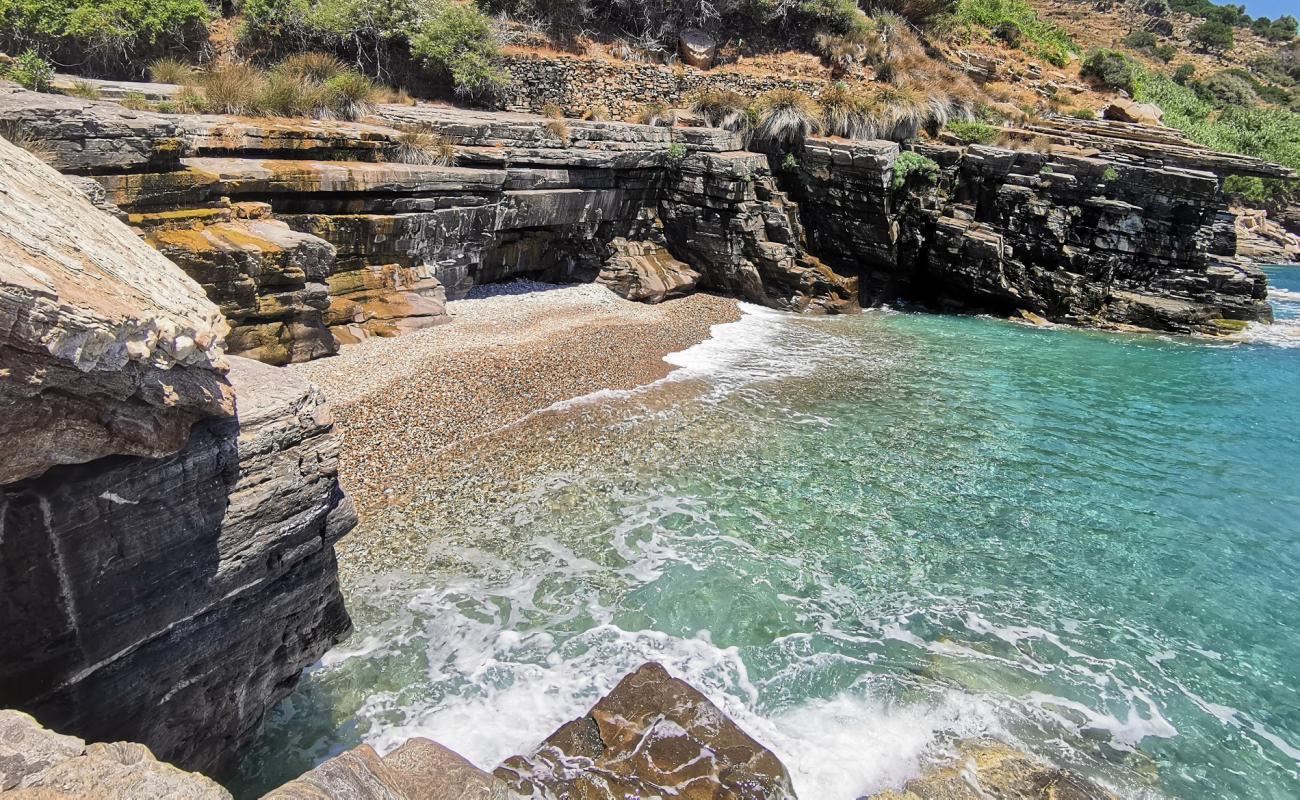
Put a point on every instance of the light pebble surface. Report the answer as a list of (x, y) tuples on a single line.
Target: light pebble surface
[(406, 406)]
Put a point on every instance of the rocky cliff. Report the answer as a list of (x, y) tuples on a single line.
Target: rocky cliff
[(308, 234), (1131, 235), (166, 516)]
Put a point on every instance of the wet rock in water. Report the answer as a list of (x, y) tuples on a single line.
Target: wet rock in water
[(993, 771), (39, 764), (418, 770), (652, 736)]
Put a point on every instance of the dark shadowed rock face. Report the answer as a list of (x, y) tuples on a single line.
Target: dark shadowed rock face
[(652, 736), (1083, 240), (173, 601)]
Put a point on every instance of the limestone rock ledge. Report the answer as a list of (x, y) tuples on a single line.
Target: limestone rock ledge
[(106, 347), (985, 770)]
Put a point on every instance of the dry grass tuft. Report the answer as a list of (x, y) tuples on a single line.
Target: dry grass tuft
[(722, 109), (786, 117), (559, 129), (19, 135), (656, 114), (171, 70), (422, 144)]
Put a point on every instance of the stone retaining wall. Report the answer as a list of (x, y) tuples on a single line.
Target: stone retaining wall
[(578, 84)]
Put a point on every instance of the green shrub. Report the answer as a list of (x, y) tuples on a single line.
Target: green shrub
[(909, 166), (1183, 73), (973, 132), (1226, 88), (112, 36), (458, 41), (1111, 69), (1051, 42), (1109, 174), (1212, 36), (31, 71), (1082, 113), (677, 151)]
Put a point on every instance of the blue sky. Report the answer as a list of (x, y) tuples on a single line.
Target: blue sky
[(1268, 8)]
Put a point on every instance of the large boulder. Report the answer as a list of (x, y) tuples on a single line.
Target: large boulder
[(1124, 110), (106, 347), (697, 48), (652, 736)]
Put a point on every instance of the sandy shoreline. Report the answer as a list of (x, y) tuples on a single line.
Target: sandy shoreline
[(406, 407)]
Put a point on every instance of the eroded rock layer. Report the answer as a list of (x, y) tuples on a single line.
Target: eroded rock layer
[(1082, 239), (654, 211)]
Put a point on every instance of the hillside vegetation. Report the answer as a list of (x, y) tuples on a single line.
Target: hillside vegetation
[(893, 68)]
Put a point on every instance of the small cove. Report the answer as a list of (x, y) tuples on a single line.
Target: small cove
[(867, 538)]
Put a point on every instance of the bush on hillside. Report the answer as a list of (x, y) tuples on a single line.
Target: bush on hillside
[(1227, 89), (104, 36), (1212, 36), (458, 41), (1184, 73), (1147, 42), (1260, 131), (1111, 69), (973, 132)]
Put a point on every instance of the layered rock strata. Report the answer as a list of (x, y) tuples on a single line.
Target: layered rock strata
[(167, 515), (1087, 240), (645, 207), (106, 347)]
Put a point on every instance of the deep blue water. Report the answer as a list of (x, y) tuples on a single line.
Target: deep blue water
[(871, 537)]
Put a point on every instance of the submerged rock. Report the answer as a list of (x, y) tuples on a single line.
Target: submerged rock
[(652, 736), (992, 771)]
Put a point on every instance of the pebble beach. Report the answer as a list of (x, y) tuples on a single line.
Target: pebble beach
[(416, 406)]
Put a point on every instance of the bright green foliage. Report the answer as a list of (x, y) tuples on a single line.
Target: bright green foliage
[(1261, 131), (1053, 43), (1212, 35), (30, 71), (458, 41), (1109, 174), (1083, 113), (1111, 69), (974, 132), (326, 24), (911, 165), (113, 35), (677, 151)]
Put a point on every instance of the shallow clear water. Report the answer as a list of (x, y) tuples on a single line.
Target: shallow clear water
[(869, 537)]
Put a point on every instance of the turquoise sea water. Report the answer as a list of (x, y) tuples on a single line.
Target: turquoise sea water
[(870, 537)]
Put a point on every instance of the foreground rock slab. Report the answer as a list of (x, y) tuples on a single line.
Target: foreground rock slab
[(652, 736), (39, 764), (418, 770)]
